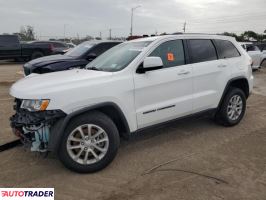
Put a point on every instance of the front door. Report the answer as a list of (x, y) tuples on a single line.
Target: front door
[(166, 93)]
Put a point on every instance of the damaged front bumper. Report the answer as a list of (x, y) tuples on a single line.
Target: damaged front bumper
[(33, 128)]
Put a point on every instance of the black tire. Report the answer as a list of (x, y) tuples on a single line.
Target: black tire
[(36, 54), (222, 116), (101, 120)]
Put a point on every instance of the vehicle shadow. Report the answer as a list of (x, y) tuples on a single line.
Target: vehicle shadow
[(11, 62), (184, 125)]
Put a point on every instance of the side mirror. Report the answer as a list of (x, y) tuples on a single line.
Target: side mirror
[(91, 56), (151, 63)]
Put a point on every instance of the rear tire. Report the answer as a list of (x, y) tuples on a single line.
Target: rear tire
[(36, 54), (233, 107), (94, 152)]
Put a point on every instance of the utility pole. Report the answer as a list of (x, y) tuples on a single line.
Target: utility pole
[(132, 12), (184, 28), (110, 34), (100, 34), (64, 32)]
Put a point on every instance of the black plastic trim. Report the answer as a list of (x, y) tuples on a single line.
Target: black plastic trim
[(228, 85), (211, 112), (142, 70)]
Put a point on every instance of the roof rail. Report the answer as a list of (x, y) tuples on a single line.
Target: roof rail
[(180, 33)]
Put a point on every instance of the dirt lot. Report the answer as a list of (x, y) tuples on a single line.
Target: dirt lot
[(208, 161)]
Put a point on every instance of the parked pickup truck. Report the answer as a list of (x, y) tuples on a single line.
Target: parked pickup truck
[(12, 48)]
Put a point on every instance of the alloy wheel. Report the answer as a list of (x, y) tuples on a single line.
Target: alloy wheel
[(235, 107), (87, 144)]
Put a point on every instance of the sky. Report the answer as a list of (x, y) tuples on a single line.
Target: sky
[(56, 18)]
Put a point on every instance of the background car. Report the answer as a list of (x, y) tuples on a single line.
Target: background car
[(71, 45), (262, 46), (258, 56), (12, 48), (57, 47), (77, 57)]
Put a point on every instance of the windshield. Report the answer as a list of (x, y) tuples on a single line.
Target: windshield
[(118, 57), (80, 49)]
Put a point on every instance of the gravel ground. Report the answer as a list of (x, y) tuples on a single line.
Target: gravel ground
[(205, 160)]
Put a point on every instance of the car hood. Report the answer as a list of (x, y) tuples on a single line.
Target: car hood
[(41, 86), (49, 60)]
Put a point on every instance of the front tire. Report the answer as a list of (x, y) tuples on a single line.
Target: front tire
[(90, 143), (233, 108)]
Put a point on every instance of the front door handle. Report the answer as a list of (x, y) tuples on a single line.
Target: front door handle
[(183, 72)]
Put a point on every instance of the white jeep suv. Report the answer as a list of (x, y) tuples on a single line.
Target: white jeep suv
[(81, 114)]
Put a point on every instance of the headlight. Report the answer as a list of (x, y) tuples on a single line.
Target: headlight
[(35, 104)]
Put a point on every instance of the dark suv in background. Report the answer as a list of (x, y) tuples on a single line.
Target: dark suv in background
[(77, 57)]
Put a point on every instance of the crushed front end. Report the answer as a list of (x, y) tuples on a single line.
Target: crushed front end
[(33, 127)]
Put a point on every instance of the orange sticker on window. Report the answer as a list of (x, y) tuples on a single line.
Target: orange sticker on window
[(170, 57)]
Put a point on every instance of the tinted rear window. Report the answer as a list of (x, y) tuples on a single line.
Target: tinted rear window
[(226, 49), (201, 50)]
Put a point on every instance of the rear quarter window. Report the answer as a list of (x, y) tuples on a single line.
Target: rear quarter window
[(201, 50), (226, 49)]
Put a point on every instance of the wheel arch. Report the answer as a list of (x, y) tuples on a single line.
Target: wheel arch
[(238, 82), (109, 108), (264, 60)]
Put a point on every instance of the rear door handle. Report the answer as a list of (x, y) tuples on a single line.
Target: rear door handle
[(222, 66), (183, 72)]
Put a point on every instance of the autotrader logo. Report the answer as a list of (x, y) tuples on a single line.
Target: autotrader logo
[(27, 193)]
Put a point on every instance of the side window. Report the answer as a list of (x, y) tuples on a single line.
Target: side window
[(226, 49), (98, 49), (104, 47), (257, 48), (171, 53), (253, 48), (202, 50)]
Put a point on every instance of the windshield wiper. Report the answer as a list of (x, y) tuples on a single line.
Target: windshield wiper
[(94, 68)]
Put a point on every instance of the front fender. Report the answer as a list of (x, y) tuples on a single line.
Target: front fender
[(57, 130)]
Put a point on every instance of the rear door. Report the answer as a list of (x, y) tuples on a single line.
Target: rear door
[(209, 74), (255, 54), (9, 46), (166, 93)]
